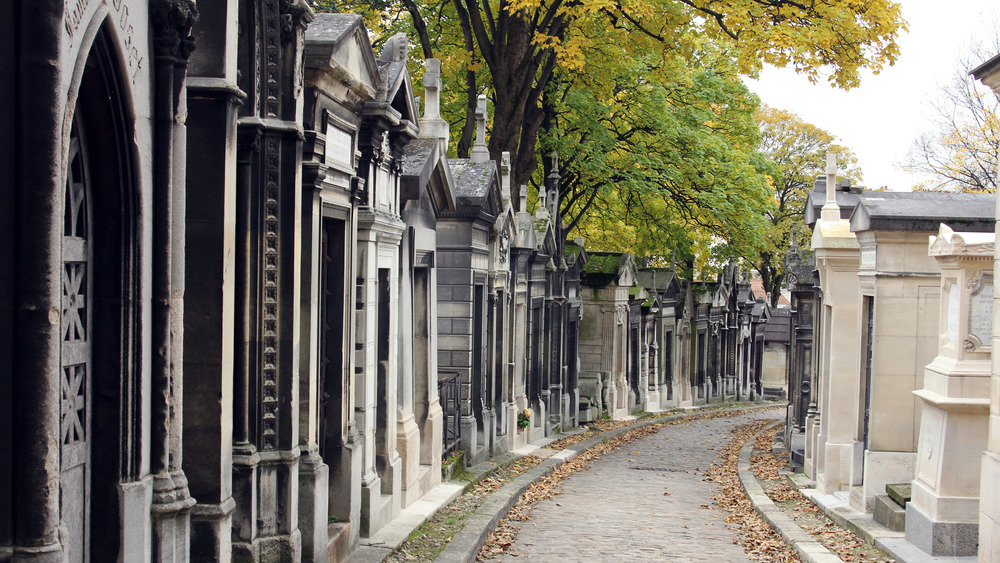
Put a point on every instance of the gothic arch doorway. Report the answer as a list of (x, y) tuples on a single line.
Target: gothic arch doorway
[(99, 417)]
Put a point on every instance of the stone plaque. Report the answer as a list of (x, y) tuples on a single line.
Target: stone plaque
[(954, 297), (339, 147), (868, 257), (981, 312)]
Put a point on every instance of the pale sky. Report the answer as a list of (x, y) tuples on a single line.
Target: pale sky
[(880, 119)]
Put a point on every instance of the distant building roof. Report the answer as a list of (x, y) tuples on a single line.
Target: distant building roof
[(757, 289), (778, 326)]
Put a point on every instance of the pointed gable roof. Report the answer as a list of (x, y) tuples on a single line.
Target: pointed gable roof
[(425, 169), (399, 85), (339, 46), (477, 186)]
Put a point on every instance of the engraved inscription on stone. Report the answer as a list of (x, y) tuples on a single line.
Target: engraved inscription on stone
[(339, 147), (981, 313)]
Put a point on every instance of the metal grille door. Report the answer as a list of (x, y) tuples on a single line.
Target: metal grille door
[(75, 358)]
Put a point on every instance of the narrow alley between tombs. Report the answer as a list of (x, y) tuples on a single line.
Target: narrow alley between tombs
[(647, 500), (710, 484)]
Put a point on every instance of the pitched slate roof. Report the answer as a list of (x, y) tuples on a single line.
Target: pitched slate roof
[(778, 326), (472, 180), (924, 211), (331, 28)]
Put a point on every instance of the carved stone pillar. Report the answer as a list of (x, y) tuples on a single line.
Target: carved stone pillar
[(942, 518), (172, 40)]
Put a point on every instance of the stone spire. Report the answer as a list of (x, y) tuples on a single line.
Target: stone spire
[(552, 185), (479, 151), (432, 126), (831, 211)]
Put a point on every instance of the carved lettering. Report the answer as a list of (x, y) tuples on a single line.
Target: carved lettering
[(981, 313), (133, 57), (74, 11)]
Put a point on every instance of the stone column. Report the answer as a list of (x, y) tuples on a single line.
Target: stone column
[(653, 397), (172, 23), (829, 445), (213, 100), (33, 205), (942, 517), (407, 431)]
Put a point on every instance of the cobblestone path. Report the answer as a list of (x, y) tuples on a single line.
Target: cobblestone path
[(646, 501)]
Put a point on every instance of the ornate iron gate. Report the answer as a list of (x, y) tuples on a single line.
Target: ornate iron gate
[(449, 392)]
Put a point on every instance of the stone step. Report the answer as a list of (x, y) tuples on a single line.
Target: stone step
[(899, 492), (888, 513)]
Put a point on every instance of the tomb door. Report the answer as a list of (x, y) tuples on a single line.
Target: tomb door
[(385, 340), (535, 365), (333, 373), (479, 359), (635, 352), (75, 358), (668, 365), (499, 372), (869, 312)]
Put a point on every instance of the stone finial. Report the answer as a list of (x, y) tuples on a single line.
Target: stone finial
[(479, 151), (395, 49), (524, 198), (553, 184), (505, 177), (831, 211)]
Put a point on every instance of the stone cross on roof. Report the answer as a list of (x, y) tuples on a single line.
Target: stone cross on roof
[(831, 211), (432, 126), (479, 151), (524, 198), (432, 89), (505, 177)]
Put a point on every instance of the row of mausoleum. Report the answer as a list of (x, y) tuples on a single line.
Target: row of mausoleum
[(889, 365), (251, 304)]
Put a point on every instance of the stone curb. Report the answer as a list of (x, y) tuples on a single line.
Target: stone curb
[(465, 545), (809, 550)]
